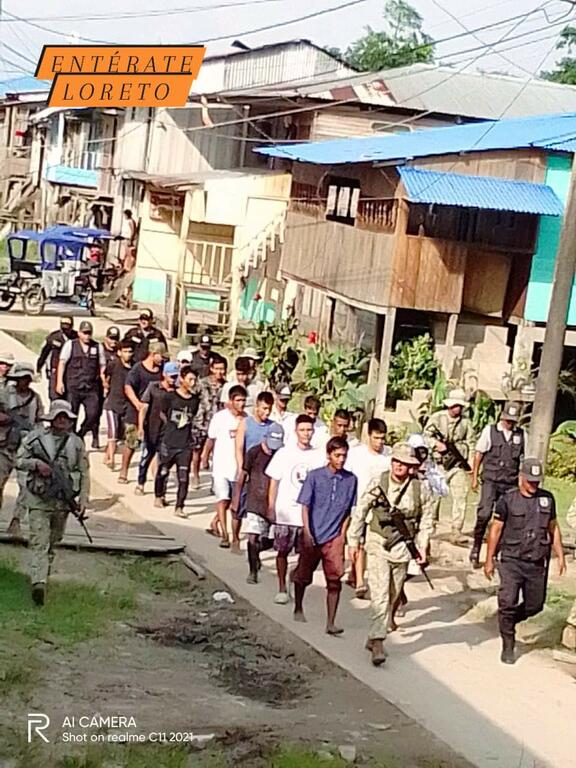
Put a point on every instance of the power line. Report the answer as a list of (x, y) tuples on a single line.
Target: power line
[(142, 14)]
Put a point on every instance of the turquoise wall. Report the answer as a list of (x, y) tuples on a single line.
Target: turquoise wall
[(255, 311), (542, 274)]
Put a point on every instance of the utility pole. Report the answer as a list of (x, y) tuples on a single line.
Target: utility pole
[(551, 361)]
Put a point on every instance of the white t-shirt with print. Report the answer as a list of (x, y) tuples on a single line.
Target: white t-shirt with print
[(290, 466), (366, 465), (222, 429), (319, 438)]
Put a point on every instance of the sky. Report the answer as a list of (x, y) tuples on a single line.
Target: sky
[(526, 44)]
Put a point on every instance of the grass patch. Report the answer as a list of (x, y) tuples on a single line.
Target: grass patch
[(34, 340), (155, 574), (564, 493), (19, 671), (73, 612)]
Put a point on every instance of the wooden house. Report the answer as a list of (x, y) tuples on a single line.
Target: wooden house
[(452, 230)]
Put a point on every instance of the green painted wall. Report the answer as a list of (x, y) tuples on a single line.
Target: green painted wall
[(542, 274), (150, 290)]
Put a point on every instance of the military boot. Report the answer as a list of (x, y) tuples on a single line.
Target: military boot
[(507, 656), (39, 593), (376, 648)]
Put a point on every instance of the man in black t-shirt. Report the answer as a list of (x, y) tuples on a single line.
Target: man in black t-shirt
[(256, 482), (137, 382), (150, 419), (180, 408), (115, 403)]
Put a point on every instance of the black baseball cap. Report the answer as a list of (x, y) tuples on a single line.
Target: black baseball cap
[(146, 314), (85, 327), (113, 332), (532, 470), (205, 340)]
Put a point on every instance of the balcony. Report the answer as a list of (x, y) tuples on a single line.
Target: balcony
[(78, 169)]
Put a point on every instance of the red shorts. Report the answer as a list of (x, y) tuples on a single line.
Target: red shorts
[(331, 555)]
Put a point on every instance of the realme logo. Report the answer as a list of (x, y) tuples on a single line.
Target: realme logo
[(120, 76), (37, 723)]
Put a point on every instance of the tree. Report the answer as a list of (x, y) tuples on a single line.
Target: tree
[(401, 43), (565, 71)]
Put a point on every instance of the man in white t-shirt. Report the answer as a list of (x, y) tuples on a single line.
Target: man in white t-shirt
[(288, 470), (222, 437), (367, 461), (321, 432)]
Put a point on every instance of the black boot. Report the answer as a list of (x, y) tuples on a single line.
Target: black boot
[(39, 593), (475, 556), (507, 656)]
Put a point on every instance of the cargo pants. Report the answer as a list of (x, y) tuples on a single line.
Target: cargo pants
[(459, 487), (7, 465), (47, 526), (386, 578)]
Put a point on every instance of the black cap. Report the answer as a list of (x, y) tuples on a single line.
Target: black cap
[(146, 314), (113, 332), (85, 327), (532, 470), (205, 340)]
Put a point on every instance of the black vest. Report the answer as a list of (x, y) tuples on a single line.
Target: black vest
[(502, 462), (83, 369), (525, 535)]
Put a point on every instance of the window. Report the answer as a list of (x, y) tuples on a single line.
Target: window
[(342, 200)]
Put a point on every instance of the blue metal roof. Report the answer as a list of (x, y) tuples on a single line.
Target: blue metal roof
[(552, 132), (480, 192), (24, 84)]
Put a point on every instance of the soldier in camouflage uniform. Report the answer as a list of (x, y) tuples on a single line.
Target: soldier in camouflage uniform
[(455, 428), (6, 362), (41, 450), (20, 411), (388, 556)]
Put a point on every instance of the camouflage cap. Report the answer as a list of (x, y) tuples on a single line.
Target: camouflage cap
[(405, 454)]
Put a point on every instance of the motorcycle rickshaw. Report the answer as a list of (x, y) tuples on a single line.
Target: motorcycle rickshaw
[(58, 264)]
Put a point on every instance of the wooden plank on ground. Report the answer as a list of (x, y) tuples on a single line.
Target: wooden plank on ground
[(121, 543)]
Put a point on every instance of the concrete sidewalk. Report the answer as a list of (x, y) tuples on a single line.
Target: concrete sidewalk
[(443, 669)]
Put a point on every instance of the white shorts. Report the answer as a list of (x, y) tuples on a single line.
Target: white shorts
[(222, 488), (255, 524)]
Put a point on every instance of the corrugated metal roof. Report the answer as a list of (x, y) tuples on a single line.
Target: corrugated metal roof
[(23, 85), (553, 132), (480, 192), (475, 94)]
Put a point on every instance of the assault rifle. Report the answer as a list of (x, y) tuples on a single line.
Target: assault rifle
[(399, 522), (61, 489), (453, 454)]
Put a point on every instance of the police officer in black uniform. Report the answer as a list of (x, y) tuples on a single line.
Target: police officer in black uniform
[(143, 334), (202, 358), (499, 451), (80, 374), (50, 352), (524, 533), (111, 343)]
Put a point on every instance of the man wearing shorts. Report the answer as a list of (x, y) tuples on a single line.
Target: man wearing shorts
[(288, 470), (142, 374), (256, 483), (327, 498), (222, 438), (116, 403)]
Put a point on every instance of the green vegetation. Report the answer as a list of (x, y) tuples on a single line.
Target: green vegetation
[(565, 70), (156, 575), (338, 379), (564, 493), (400, 43), (74, 612), (278, 344), (158, 756), (562, 452), (412, 366), (34, 340)]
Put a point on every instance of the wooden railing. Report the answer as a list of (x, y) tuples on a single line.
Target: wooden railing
[(307, 199), (208, 263), (377, 215)]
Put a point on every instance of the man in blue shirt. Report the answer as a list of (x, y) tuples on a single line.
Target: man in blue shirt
[(327, 497)]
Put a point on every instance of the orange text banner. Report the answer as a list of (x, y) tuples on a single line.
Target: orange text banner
[(128, 59), (105, 90)]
